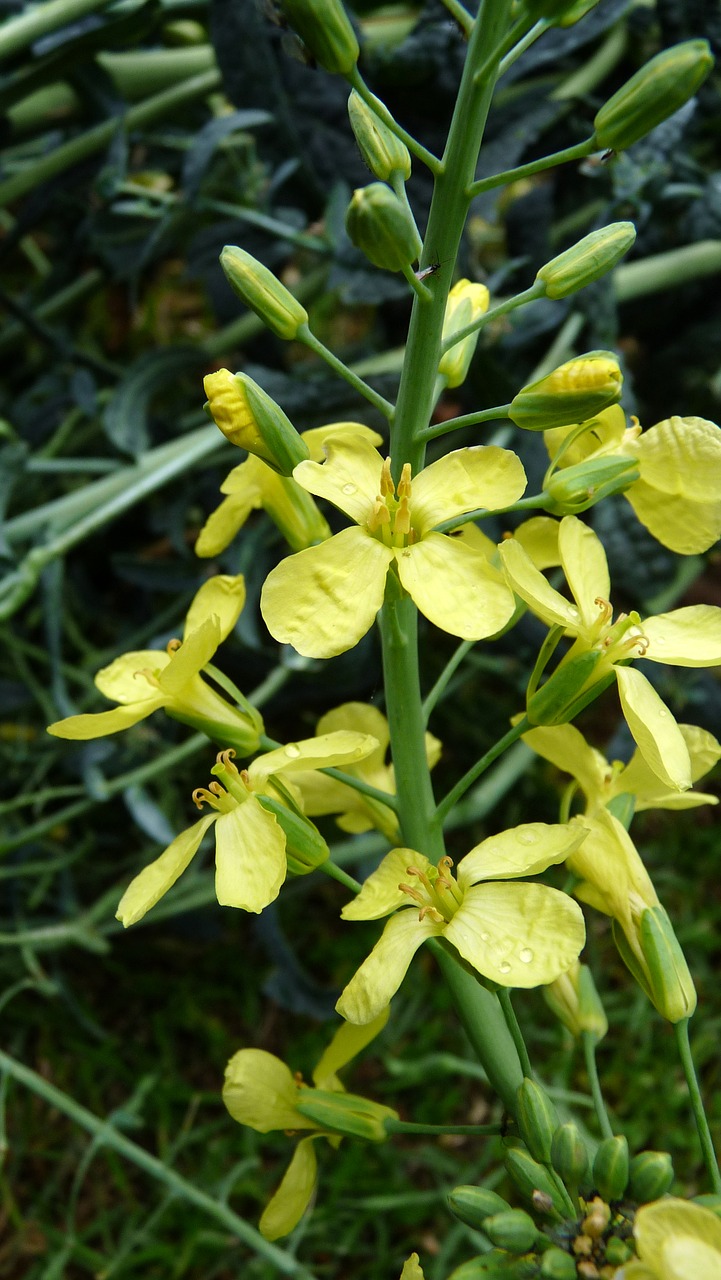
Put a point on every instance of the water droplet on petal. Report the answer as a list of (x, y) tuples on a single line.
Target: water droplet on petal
[(525, 955), (527, 837), (485, 937), (349, 489), (504, 967), (292, 751), (662, 713)]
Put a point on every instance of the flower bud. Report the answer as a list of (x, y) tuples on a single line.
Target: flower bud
[(652, 94), (260, 291), (305, 847), (537, 1119), (381, 150), (588, 260), (467, 302), (513, 1230), (576, 11), (474, 1204), (670, 983), (617, 1251), (581, 486), (345, 1113), (557, 701), (574, 392), (568, 1154), (248, 417), (324, 26), (556, 1264), (610, 1168), (533, 1180), (576, 1003), (650, 1176), (382, 226)]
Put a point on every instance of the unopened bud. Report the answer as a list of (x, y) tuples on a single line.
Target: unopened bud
[(568, 1154), (650, 1176), (305, 848), (324, 26), (670, 983), (383, 152), (249, 418), (513, 1230), (610, 1168), (467, 302), (259, 289), (537, 1119), (581, 486), (382, 227), (557, 701), (576, 1003), (574, 392), (345, 1113), (653, 94), (556, 1264), (588, 260), (473, 1205), (533, 1180)]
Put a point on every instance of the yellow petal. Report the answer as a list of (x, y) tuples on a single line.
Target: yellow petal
[(585, 566), (684, 525), (529, 583), (315, 439), (654, 729), (665, 1222), (154, 880), (123, 680), (222, 524), (323, 600), (412, 1270), (326, 751), (465, 480), (684, 1256), (194, 653), (372, 988), (380, 893), (364, 718), (82, 728), (609, 861), (250, 862), (682, 456), (222, 596), (454, 586), (518, 935), (539, 537), (260, 1091), (566, 748), (286, 1207), (689, 637), (348, 1041), (520, 851), (350, 478)]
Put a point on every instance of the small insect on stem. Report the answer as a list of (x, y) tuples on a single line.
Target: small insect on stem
[(425, 272)]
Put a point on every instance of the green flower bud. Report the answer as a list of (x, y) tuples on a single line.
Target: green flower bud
[(576, 1003), (610, 1168), (382, 226), (305, 847), (537, 1119), (576, 12), (588, 260), (617, 1251), (474, 1204), (467, 302), (533, 1180), (382, 151), (670, 984), (260, 291), (652, 94), (574, 392), (324, 26), (248, 417), (556, 1264), (568, 1154), (650, 1176), (581, 486), (556, 702), (513, 1230), (345, 1113)]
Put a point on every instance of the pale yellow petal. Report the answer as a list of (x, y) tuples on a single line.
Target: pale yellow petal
[(585, 566), (520, 851), (466, 480), (380, 893), (82, 728), (566, 748), (658, 1224), (364, 718), (154, 880), (518, 935), (194, 653), (316, 437), (323, 600), (348, 1041), (682, 456), (529, 583), (350, 478), (287, 1205), (250, 862), (326, 751), (609, 861), (123, 680), (689, 637), (260, 1091), (455, 587), (372, 988), (222, 524), (684, 1256), (683, 525), (539, 537), (654, 729), (412, 1270), (222, 596)]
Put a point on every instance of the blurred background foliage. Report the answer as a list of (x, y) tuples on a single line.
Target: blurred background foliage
[(140, 136)]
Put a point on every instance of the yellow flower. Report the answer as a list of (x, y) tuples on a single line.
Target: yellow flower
[(322, 795), (677, 496), (688, 637), (467, 302), (261, 1092), (324, 599), (253, 485), (143, 681), (252, 840), (517, 935), (675, 1240)]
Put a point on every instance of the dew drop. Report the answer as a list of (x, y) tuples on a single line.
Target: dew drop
[(525, 955), (292, 751), (504, 967), (527, 837), (349, 489), (485, 937)]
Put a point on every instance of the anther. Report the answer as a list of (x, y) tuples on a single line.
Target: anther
[(387, 485), (172, 646)]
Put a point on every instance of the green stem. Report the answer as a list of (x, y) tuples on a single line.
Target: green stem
[(699, 1114), (105, 1134), (435, 430), (39, 20), (337, 873), (374, 397), (480, 767), (509, 1013), (534, 291), (274, 226), (589, 1043), (577, 152), (448, 671), (460, 15), (475, 1130), (667, 270)]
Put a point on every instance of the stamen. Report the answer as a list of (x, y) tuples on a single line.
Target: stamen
[(379, 516), (387, 485), (404, 484), (225, 759), (216, 788), (201, 796), (172, 646), (434, 915), (402, 523), (605, 607), (415, 894), (147, 674)]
